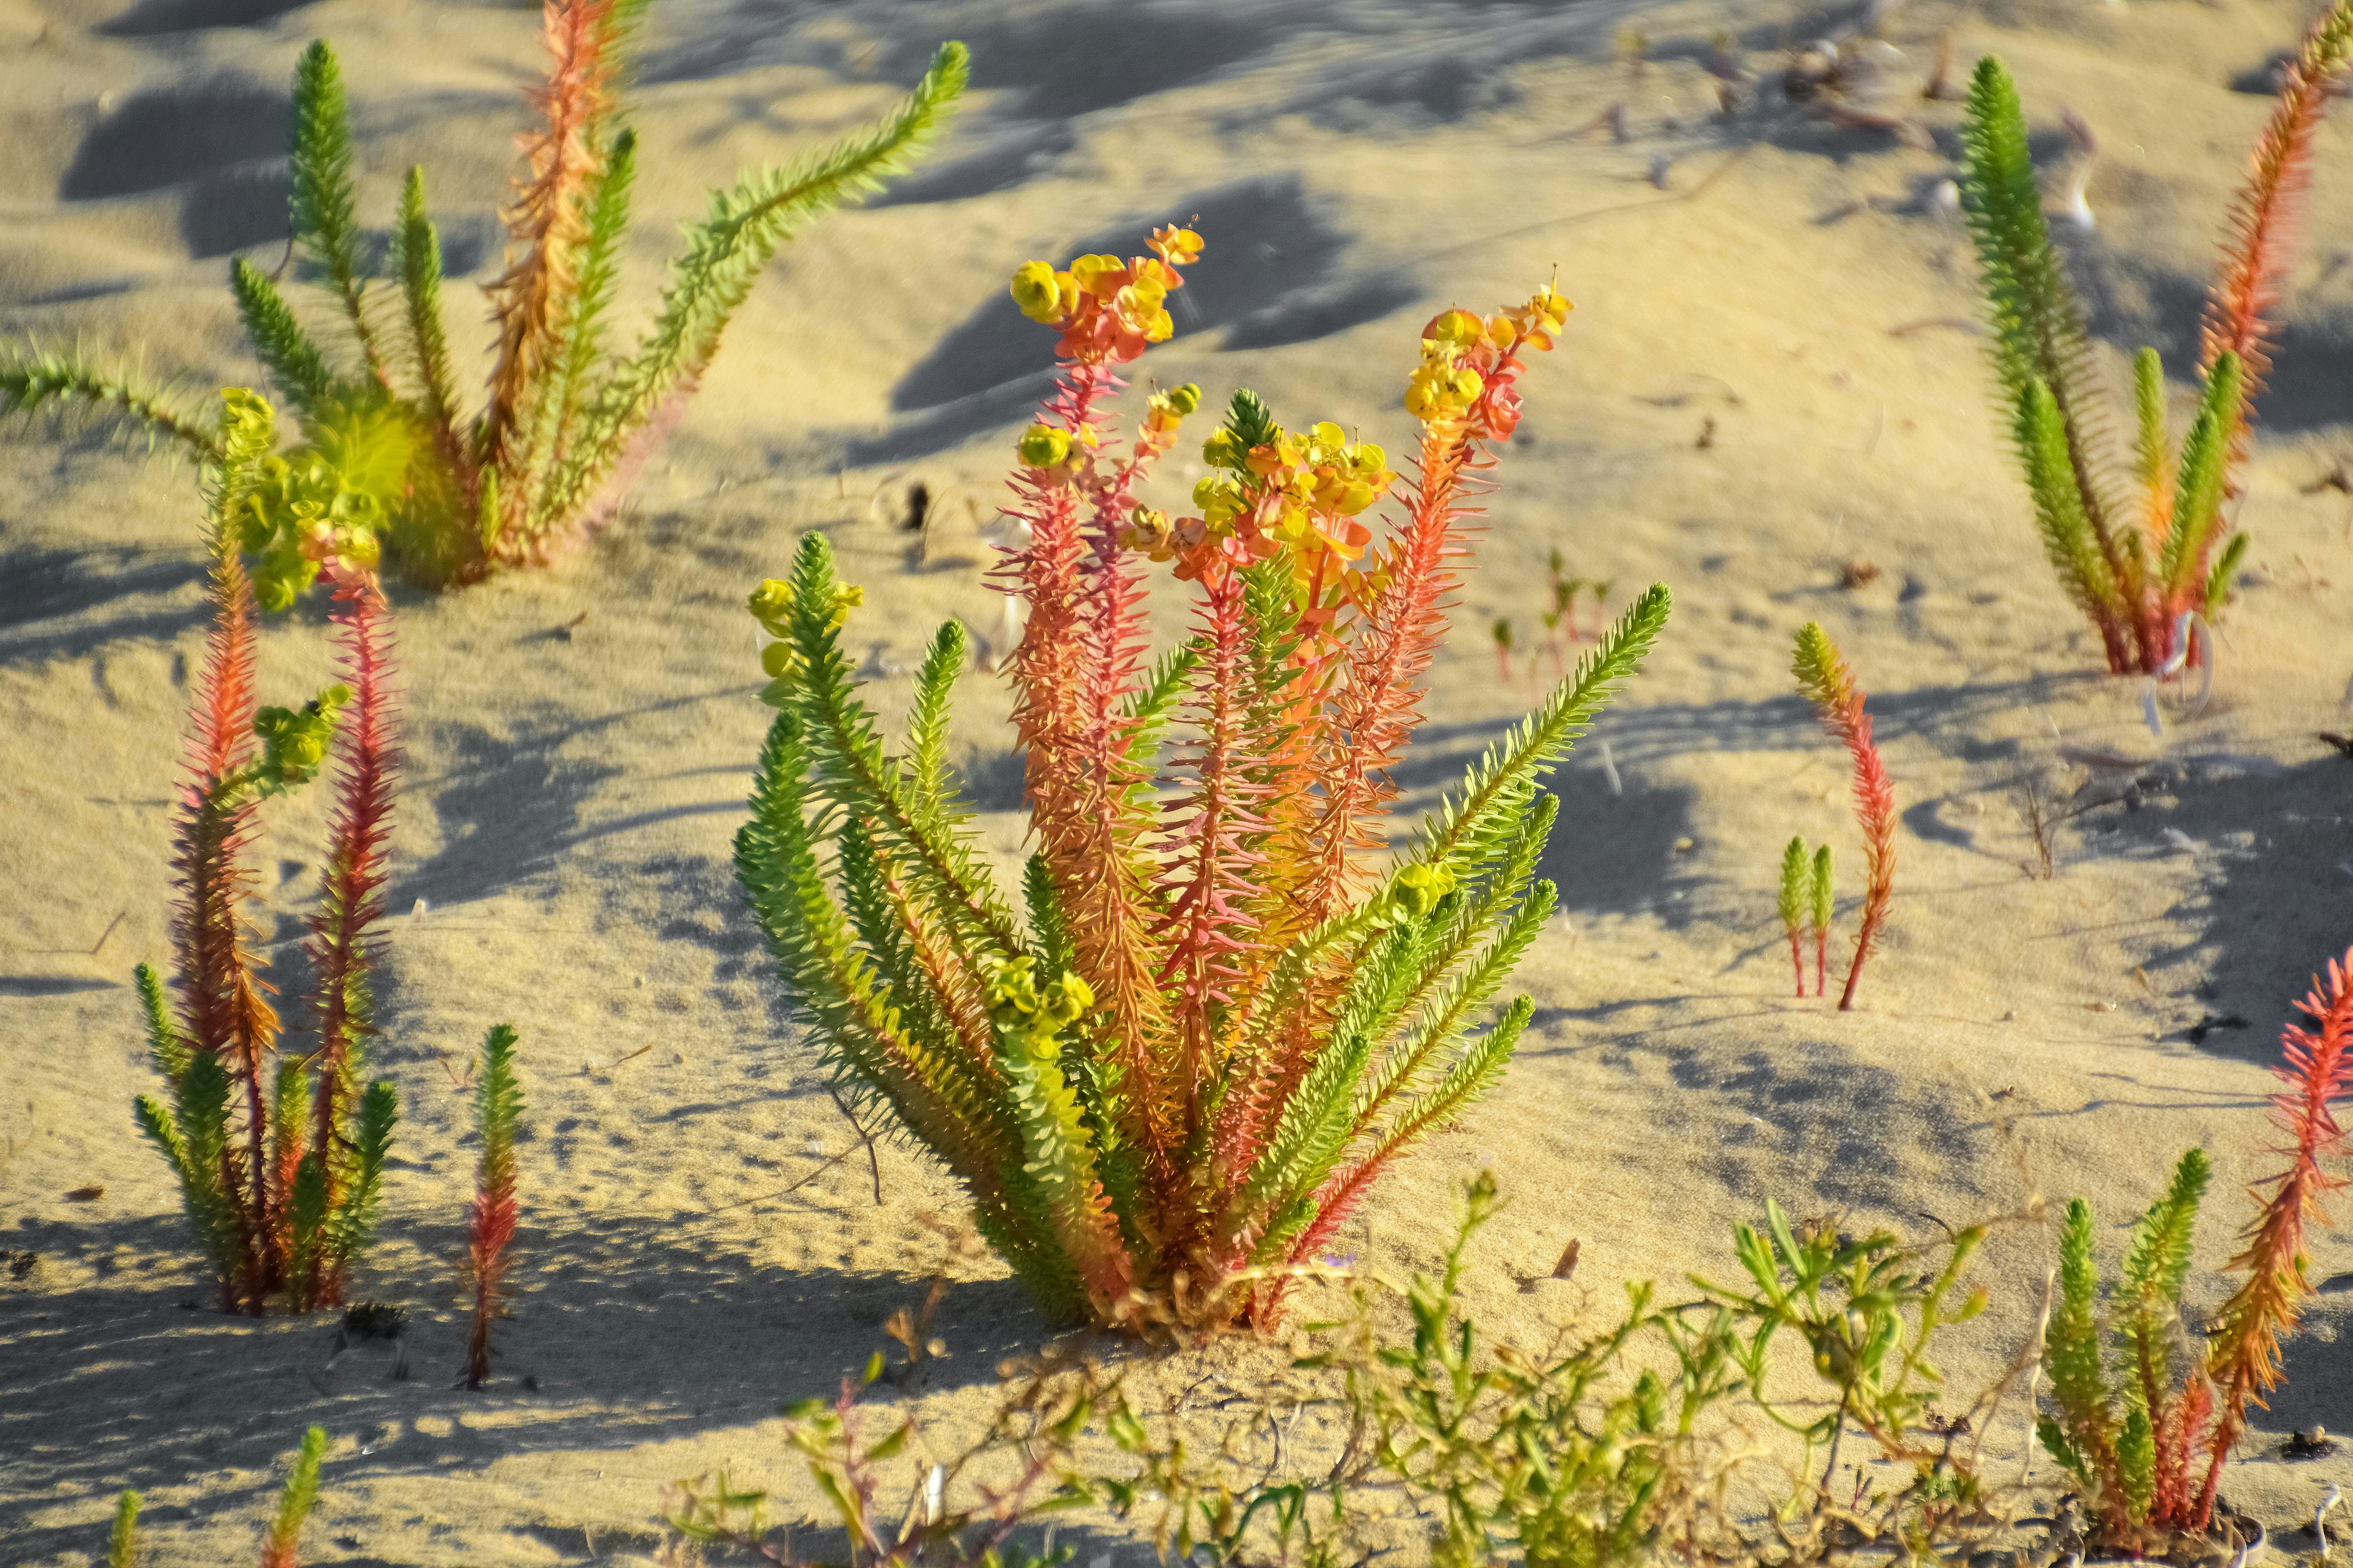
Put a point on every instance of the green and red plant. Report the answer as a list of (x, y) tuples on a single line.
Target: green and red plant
[(2246, 1362), (1221, 1021), (491, 1218), (565, 423), (279, 1157), (2150, 560), (1826, 681), (2148, 1447)]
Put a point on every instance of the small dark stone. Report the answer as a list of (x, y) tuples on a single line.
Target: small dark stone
[(530, 1382)]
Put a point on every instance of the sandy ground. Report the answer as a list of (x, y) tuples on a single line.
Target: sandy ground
[(579, 739)]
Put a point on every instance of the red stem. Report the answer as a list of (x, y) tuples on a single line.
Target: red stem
[(362, 822)]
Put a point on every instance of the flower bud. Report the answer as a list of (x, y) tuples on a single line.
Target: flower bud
[(1044, 446), (1037, 291), (1184, 399)]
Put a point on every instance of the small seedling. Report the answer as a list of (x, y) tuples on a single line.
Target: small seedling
[(1805, 903), (490, 1221), (1827, 682), (122, 1545)]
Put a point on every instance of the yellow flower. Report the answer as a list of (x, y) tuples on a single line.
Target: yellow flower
[(1440, 391), (1221, 450), (1037, 291), (1176, 246), (847, 596), (1452, 332), (1098, 275), (1151, 532), (779, 660), (1221, 500), (1044, 446), (1137, 306), (771, 605)]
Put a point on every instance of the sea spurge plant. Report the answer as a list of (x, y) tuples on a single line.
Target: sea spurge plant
[(1214, 1020), (567, 421), (280, 1541), (491, 1220), (2318, 1071), (280, 1157), (1826, 681), (2148, 1442), (2148, 557), (2128, 1436)]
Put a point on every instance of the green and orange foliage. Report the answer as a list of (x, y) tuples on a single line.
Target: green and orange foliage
[(278, 1542), (491, 1218), (2146, 1441), (1620, 1439), (1825, 680), (279, 1154), (2318, 1070), (1219, 1018), (2150, 555), (566, 420)]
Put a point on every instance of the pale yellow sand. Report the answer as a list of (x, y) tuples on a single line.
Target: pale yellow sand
[(572, 783)]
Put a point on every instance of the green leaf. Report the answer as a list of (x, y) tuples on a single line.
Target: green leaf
[(319, 205), (1473, 822), (2152, 451), (417, 261), (2068, 542), (2226, 567), (31, 380), (301, 1491), (726, 252), (278, 342), (2037, 323), (1792, 904), (2198, 492), (165, 1049)]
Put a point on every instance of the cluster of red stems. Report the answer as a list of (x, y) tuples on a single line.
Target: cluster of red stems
[(1179, 908), (280, 1186)]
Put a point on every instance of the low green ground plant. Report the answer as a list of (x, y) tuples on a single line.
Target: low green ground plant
[(1622, 1440)]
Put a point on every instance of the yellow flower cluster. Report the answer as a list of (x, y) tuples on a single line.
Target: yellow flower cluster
[(1418, 892), (1030, 1014), (1107, 309), (1302, 491), (1461, 353), (771, 605)]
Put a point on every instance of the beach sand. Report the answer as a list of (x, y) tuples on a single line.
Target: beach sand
[(1769, 379)]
